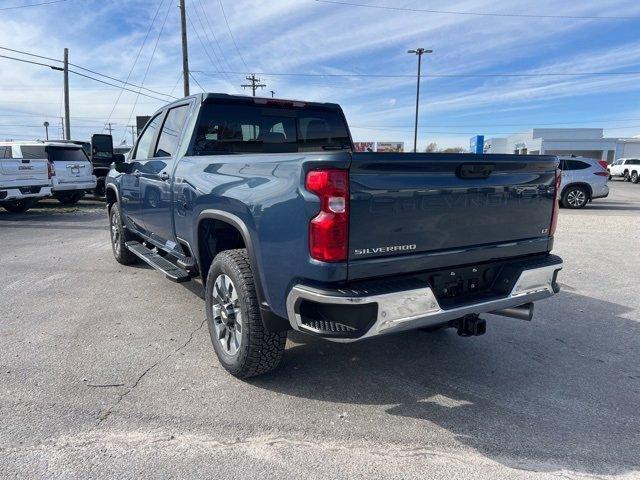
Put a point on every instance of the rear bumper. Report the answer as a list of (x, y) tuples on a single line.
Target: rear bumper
[(60, 185), (600, 191), (379, 313), (37, 191)]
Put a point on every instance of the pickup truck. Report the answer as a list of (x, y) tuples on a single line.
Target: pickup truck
[(265, 202), (25, 177)]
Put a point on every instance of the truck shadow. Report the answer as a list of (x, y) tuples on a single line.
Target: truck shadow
[(561, 393)]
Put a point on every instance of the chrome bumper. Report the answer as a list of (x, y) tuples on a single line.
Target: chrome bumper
[(417, 308)]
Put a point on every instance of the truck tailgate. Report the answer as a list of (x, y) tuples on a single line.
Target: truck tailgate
[(461, 206), (18, 171)]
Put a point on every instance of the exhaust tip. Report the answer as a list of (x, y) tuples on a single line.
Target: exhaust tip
[(521, 312)]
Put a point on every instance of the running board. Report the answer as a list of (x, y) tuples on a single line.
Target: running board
[(171, 271)]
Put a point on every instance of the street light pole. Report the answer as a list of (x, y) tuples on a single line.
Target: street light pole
[(419, 52), (46, 129)]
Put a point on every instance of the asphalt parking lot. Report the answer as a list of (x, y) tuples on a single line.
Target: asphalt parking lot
[(107, 372)]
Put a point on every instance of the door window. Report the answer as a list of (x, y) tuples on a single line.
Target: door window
[(170, 134), (143, 149)]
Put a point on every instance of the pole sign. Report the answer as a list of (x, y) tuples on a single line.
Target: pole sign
[(476, 144)]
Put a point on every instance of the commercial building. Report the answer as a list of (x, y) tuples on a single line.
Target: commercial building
[(585, 142)]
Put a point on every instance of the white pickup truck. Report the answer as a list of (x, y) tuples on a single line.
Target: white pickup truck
[(23, 180)]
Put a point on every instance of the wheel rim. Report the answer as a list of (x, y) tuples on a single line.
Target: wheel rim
[(115, 233), (227, 316), (576, 198)]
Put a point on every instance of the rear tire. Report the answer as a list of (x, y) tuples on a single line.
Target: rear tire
[(575, 197), (626, 177), (634, 177), (69, 198), (243, 346), (119, 236), (19, 206)]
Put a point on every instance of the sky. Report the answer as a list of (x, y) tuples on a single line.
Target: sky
[(140, 40)]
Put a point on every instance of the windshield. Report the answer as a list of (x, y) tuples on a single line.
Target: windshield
[(57, 154), (241, 128)]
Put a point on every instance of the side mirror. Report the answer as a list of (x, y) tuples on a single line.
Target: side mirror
[(118, 158)]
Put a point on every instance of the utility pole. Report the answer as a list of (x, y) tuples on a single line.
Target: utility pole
[(133, 134), (272, 93), (67, 120), (185, 52), (255, 84), (109, 127), (419, 52)]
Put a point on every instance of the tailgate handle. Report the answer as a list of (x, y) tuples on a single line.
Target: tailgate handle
[(475, 170)]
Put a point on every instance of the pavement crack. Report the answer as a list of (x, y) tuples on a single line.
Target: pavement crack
[(104, 414)]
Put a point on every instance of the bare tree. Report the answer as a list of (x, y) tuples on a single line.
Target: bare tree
[(454, 150), (432, 147)]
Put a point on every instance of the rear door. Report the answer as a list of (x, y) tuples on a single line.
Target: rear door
[(156, 177), (23, 168), (405, 204), (71, 164)]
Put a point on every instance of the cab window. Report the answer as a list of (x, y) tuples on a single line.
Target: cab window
[(143, 148), (171, 130)]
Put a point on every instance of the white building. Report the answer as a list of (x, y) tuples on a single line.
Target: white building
[(585, 142)]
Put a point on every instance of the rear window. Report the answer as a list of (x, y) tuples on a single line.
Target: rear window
[(576, 165), (241, 128), (33, 151), (57, 154)]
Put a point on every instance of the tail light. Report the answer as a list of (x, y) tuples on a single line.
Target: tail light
[(329, 230), (603, 164), (556, 204), (51, 169), (602, 174)]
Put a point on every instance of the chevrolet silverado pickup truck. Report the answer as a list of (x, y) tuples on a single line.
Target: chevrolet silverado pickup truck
[(265, 202)]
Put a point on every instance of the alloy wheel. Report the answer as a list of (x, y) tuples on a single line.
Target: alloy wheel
[(227, 316), (576, 198), (115, 232)]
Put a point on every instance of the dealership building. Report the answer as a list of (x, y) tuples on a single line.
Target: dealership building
[(584, 142)]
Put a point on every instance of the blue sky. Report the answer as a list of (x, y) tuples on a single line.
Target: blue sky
[(310, 37)]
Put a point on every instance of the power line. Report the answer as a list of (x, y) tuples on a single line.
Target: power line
[(215, 38), (482, 14), (125, 82), (31, 62), (135, 62), (197, 82), (116, 86), (254, 85), (429, 75), (231, 35), (153, 52), (32, 5)]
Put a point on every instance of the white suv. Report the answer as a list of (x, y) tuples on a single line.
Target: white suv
[(72, 171), (627, 168), (23, 180), (583, 179)]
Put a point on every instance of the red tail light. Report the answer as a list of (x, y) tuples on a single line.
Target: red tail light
[(329, 230), (556, 205), (602, 174), (51, 169), (603, 164)]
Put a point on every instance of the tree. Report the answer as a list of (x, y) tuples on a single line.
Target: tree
[(432, 147), (454, 150)]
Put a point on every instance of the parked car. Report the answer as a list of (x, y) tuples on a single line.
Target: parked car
[(72, 171), (583, 180), (627, 168), (23, 179), (266, 203)]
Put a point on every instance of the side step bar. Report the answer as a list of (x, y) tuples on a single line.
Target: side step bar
[(171, 271)]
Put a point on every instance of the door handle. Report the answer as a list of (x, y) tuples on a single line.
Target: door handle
[(164, 176)]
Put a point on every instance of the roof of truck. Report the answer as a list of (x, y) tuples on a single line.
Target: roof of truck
[(202, 97)]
